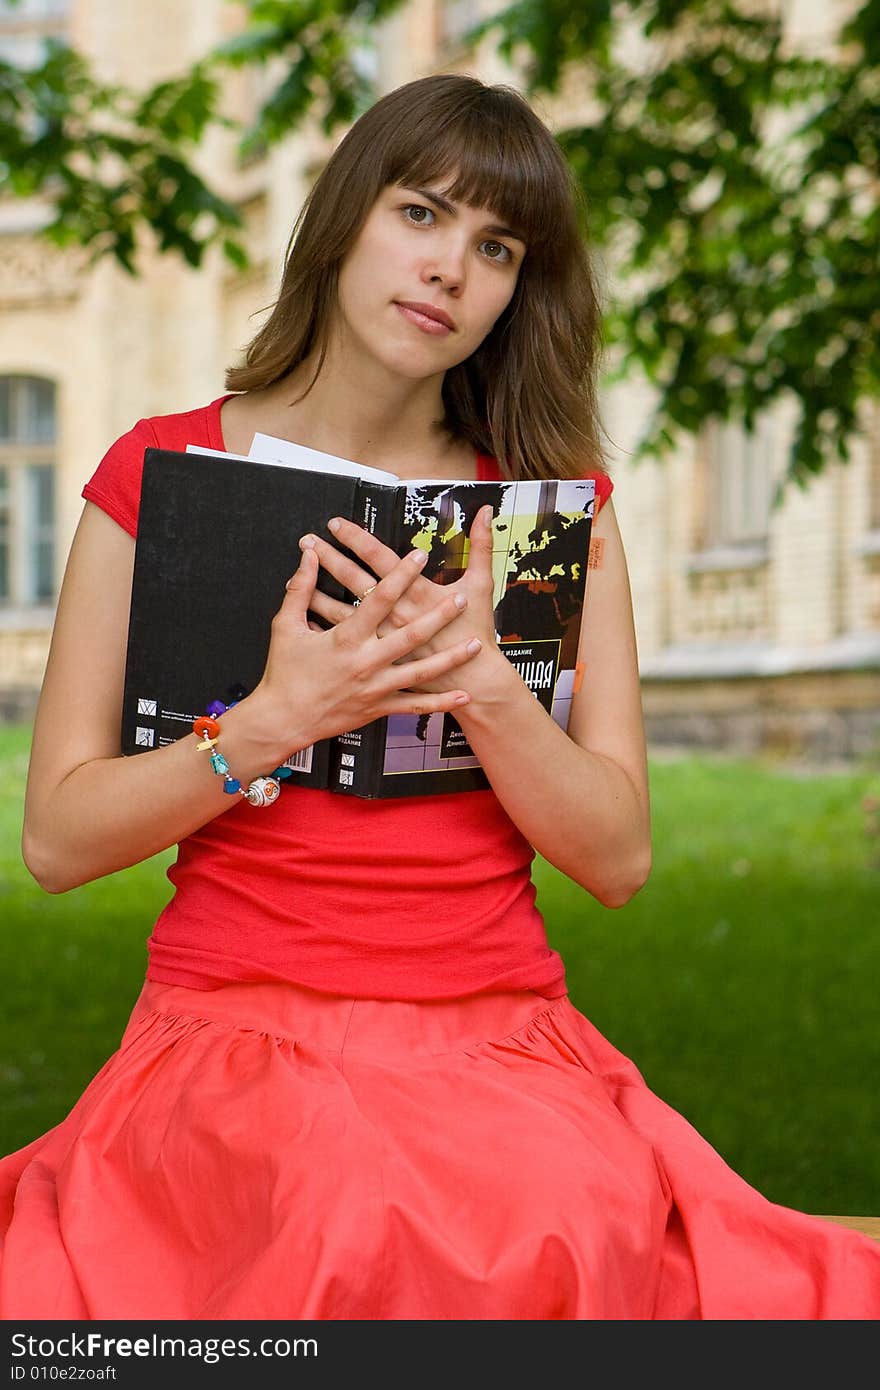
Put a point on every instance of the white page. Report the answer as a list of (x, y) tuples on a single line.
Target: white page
[(266, 448), (333, 464), (216, 453)]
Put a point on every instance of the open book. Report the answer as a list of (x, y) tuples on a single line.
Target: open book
[(218, 539)]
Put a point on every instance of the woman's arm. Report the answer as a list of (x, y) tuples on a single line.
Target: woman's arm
[(89, 811), (581, 797)]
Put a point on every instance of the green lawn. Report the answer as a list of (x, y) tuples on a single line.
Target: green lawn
[(742, 979)]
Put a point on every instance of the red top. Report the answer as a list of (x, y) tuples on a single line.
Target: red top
[(422, 897)]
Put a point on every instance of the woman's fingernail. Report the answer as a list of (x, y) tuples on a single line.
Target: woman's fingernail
[(334, 524), (460, 601), (419, 557), (474, 644), (307, 542), (462, 700)]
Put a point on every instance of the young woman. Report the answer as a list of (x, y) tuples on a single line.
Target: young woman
[(353, 1085)]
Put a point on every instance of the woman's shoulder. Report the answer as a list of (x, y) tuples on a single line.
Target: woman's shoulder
[(174, 430), (115, 485), (200, 425)]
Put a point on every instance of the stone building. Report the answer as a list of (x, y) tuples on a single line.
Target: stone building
[(758, 629)]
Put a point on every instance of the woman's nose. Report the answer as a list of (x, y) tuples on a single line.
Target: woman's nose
[(447, 264)]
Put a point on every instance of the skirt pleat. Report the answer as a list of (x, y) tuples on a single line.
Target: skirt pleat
[(266, 1151)]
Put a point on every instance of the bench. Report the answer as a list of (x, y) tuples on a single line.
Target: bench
[(868, 1225)]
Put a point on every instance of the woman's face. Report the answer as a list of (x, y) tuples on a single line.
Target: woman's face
[(421, 249)]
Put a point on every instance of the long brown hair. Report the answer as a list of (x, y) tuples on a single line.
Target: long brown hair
[(528, 394)]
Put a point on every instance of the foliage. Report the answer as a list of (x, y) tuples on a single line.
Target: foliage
[(734, 184), (108, 160), (730, 181)]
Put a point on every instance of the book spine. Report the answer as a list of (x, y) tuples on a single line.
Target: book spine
[(356, 758), (311, 766)]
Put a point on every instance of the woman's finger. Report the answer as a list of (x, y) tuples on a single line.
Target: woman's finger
[(365, 619), (333, 609), (300, 587), (427, 668), (419, 702), (415, 633), (373, 553), (351, 575), (481, 539)]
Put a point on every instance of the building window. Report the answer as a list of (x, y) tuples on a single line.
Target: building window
[(27, 490), (739, 482)]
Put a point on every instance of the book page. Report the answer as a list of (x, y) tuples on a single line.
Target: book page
[(216, 453), (267, 448)]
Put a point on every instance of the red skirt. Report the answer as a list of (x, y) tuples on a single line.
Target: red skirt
[(265, 1151)]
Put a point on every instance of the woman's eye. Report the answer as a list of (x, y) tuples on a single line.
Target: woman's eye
[(497, 250), (417, 207)]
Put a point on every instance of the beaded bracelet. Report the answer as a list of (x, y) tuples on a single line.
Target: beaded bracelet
[(262, 791)]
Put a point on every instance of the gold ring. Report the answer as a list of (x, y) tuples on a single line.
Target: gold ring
[(358, 601)]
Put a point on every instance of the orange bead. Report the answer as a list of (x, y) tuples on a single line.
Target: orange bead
[(206, 727)]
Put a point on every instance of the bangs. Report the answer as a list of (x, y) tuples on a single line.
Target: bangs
[(488, 156)]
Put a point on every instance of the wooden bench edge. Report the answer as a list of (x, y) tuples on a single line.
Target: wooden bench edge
[(868, 1225)]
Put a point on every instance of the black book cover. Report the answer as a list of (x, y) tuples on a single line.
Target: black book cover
[(217, 541)]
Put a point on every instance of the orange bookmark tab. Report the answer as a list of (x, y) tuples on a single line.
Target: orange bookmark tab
[(578, 677)]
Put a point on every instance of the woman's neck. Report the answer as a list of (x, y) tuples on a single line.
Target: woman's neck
[(403, 436)]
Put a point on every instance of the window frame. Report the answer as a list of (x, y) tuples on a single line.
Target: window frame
[(19, 456), (738, 484)]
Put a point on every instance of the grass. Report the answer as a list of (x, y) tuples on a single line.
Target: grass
[(742, 979)]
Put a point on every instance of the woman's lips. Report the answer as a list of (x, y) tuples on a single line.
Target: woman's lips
[(423, 322)]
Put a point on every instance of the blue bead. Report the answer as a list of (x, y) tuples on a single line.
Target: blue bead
[(232, 785), (219, 763), (283, 772), (216, 708)]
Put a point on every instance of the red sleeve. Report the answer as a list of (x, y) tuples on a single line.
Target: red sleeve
[(115, 485), (604, 489)]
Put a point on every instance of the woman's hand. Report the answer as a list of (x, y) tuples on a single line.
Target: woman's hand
[(320, 683), (418, 600)]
